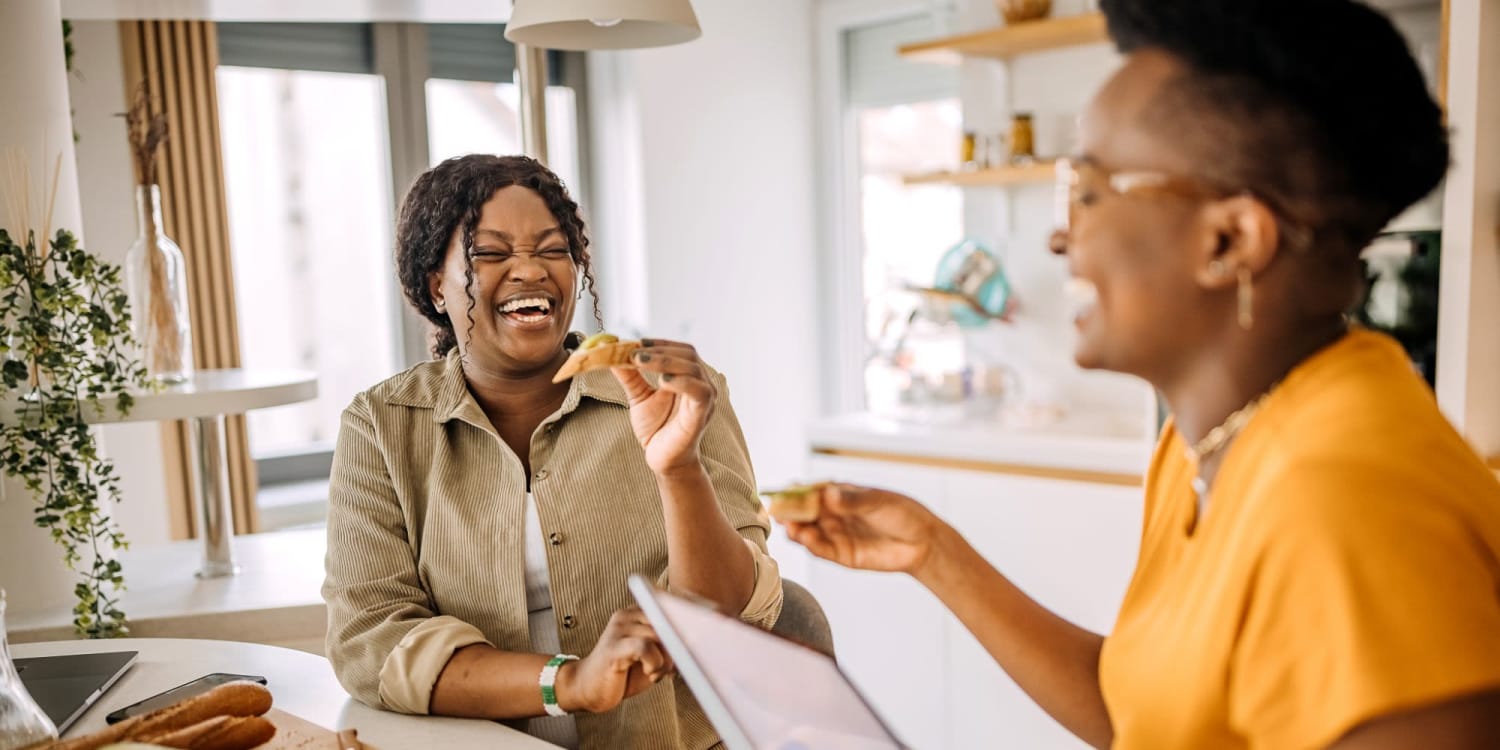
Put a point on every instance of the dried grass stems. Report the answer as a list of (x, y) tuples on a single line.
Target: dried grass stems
[(146, 132), (18, 199), (18, 208)]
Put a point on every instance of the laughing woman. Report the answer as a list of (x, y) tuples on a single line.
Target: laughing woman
[(1320, 563), (483, 520)]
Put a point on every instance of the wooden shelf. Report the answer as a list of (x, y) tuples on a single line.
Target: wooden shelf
[(1034, 173), (1005, 42)]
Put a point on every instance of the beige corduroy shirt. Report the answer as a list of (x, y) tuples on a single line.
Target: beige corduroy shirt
[(426, 539)]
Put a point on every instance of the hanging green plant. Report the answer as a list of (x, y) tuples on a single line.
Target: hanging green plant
[(67, 353)]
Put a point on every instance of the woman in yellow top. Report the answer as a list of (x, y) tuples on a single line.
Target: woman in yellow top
[(483, 519), (1320, 560)]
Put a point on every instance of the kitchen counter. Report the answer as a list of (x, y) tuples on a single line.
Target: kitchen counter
[(1078, 448)]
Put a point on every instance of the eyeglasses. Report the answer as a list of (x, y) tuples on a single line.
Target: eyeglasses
[(1081, 182)]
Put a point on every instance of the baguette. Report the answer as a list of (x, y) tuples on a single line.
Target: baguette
[(241, 698), (218, 733), (185, 736), (242, 733)]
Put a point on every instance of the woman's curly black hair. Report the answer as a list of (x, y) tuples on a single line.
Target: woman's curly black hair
[(449, 196)]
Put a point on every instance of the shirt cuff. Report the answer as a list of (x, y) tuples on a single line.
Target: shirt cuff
[(764, 607), (412, 668)]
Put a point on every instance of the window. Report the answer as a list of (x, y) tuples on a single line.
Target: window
[(905, 230), (482, 117), (473, 106), (905, 119), (317, 142), (311, 228)]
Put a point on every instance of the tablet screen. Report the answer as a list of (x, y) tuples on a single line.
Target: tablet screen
[(781, 695)]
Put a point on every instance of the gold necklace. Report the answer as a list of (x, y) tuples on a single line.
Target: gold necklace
[(1219, 437)]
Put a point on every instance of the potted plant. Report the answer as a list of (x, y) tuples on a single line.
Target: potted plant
[(66, 354)]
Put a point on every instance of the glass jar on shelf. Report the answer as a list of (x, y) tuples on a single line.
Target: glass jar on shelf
[(971, 152), (1022, 139)]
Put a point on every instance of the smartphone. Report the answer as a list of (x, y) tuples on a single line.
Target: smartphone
[(181, 692)]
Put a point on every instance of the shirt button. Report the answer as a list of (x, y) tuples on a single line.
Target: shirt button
[(540, 474), (569, 622), (556, 538)]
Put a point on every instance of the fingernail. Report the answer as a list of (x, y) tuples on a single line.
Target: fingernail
[(648, 342), (640, 357), (666, 378)]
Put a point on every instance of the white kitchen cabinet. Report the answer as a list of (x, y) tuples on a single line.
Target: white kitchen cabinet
[(1072, 545), (888, 630)]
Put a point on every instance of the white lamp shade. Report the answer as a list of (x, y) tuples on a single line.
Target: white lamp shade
[(601, 24)]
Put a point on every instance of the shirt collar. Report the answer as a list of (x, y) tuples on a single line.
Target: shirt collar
[(441, 387)]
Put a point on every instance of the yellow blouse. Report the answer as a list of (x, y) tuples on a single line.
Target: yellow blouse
[(1347, 567)]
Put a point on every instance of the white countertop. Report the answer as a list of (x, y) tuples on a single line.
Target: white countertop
[(302, 684), (275, 599), (1069, 445)]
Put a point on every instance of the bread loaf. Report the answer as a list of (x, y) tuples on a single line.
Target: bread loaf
[(241, 698), (185, 736), (218, 733), (240, 733)]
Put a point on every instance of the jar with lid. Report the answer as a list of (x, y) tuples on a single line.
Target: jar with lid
[(969, 155), (1022, 139)]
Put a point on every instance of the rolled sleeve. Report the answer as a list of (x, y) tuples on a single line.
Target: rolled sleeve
[(764, 607), (413, 666)]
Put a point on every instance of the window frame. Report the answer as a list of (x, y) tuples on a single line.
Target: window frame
[(399, 55), (845, 350)]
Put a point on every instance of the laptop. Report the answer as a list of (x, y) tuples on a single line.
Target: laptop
[(761, 691), (65, 686)]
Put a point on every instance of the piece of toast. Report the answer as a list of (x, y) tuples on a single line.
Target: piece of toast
[(597, 351), (799, 504)]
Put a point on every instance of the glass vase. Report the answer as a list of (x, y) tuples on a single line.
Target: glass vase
[(22, 723), (156, 282)]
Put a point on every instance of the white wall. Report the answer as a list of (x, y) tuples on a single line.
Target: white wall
[(37, 125), (1468, 350), (704, 219), (106, 190)]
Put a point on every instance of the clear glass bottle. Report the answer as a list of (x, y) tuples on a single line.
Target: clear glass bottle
[(156, 282), (22, 723)]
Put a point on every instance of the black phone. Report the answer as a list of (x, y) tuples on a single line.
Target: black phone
[(181, 692)]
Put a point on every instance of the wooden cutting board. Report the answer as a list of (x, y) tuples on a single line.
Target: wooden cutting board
[(296, 733)]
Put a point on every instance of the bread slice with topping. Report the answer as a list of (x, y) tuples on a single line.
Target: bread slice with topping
[(597, 351)]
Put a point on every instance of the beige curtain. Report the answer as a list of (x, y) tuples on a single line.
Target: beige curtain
[(176, 61)]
